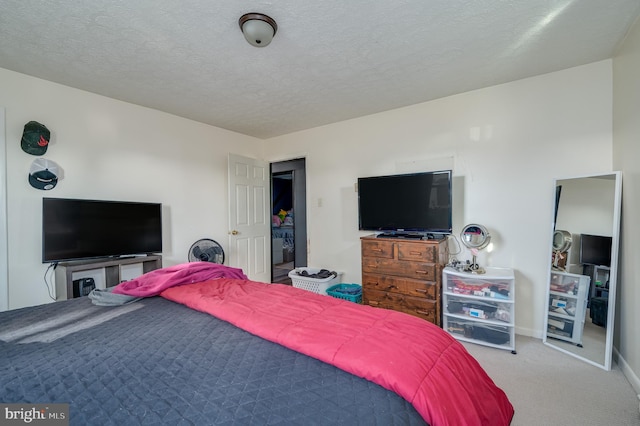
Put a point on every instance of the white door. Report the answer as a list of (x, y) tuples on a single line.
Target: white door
[(249, 218)]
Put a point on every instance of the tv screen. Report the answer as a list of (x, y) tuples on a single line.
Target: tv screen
[(595, 250), (406, 203), (75, 229)]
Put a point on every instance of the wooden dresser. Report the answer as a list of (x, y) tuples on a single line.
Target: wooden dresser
[(404, 275)]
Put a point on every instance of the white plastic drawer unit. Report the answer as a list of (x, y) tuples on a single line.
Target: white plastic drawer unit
[(480, 308), (567, 305)]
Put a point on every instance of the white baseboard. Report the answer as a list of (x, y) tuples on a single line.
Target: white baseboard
[(627, 371), (536, 334)]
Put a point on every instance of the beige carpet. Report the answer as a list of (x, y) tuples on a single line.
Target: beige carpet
[(548, 387)]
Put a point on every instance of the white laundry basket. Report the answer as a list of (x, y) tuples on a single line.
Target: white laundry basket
[(316, 285)]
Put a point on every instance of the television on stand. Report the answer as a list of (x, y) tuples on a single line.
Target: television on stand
[(413, 205), (77, 229)]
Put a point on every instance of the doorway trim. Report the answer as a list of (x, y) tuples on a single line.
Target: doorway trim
[(298, 167), (4, 253)]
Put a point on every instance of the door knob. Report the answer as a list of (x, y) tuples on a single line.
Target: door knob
[(234, 232)]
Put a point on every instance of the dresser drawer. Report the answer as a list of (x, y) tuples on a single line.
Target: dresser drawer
[(375, 248), (416, 270), (417, 252), (408, 286), (417, 306)]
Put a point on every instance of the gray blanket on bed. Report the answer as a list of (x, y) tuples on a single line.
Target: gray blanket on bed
[(158, 362), (106, 297)]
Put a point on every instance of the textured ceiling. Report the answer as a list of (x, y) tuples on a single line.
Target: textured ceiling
[(331, 60)]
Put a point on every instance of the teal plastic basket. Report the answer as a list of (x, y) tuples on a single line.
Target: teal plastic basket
[(350, 292)]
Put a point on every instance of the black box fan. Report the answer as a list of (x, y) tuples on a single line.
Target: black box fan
[(206, 250)]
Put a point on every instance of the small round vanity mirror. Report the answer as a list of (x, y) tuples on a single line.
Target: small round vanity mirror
[(561, 244), (475, 237), (561, 241)]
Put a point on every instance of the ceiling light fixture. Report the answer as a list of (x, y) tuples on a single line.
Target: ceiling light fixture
[(258, 28)]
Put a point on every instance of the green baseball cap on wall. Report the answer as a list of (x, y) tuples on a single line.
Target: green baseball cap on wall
[(35, 138)]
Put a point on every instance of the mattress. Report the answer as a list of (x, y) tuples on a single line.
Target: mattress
[(158, 362)]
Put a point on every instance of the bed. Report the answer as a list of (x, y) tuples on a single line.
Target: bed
[(184, 347)]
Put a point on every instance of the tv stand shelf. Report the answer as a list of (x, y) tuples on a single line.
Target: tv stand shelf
[(111, 265)]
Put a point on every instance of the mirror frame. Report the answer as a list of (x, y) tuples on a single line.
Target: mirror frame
[(613, 272), (484, 235)]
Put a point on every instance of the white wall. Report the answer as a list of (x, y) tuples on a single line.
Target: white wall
[(626, 153), (115, 151), (505, 144)]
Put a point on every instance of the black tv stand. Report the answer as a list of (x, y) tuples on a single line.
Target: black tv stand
[(402, 235), (65, 271), (411, 236)]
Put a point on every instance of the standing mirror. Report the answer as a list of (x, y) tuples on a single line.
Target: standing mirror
[(475, 237), (583, 259)]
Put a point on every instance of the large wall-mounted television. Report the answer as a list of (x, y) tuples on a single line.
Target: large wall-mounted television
[(595, 250), (74, 229), (406, 204)]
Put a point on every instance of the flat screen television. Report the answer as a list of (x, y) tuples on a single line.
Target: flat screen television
[(595, 250), (406, 204), (74, 229)]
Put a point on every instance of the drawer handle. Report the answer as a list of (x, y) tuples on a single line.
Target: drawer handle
[(424, 313), (415, 253), (373, 303), (421, 290), (422, 272)]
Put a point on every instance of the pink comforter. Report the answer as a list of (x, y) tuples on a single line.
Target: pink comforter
[(402, 353), (154, 282)]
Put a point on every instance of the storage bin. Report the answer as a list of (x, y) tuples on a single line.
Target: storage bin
[(316, 285), (350, 292), (598, 311)]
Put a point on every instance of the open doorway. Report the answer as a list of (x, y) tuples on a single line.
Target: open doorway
[(289, 223)]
